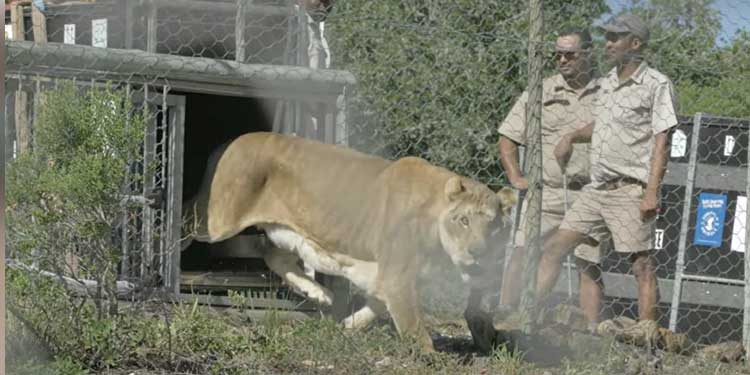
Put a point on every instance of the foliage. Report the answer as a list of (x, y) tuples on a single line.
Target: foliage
[(710, 75), (63, 196), (437, 77), (186, 338), (62, 205), (728, 94), (683, 37)]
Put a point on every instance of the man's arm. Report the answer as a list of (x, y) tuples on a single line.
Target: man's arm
[(509, 158), (564, 148), (658, 167), (583, 135)]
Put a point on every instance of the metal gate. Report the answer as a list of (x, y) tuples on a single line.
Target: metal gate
[(151, 234)]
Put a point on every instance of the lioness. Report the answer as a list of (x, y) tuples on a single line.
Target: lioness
[(345, 213)]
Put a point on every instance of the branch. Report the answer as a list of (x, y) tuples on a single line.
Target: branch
[(79, 287)]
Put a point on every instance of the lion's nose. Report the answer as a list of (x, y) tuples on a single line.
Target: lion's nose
[(473, 269)]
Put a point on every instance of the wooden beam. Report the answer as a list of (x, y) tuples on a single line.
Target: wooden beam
[(79, 287), (78, 60), (21, 116), (239, 30), (17, 21), (280, 305), (151, 26), (222, 279), (707, 176), (21, 110), (225, 7), (39, 25), (129, 23), (693, 292)]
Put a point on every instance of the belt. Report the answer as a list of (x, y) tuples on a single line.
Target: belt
[(575, 184), (620, 182)]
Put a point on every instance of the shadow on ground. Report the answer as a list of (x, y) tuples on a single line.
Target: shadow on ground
[(534, 349), (25, 353)]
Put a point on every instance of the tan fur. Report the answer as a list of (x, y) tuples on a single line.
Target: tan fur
[(356, 214)]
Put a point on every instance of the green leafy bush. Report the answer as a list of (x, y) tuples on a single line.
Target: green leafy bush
[(63, 201)]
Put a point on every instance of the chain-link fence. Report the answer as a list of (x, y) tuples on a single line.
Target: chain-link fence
[(439, 79), (442, 79), (715, 186), (201, 73), (434, 79)]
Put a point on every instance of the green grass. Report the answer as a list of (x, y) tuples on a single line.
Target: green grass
[(207, 341)]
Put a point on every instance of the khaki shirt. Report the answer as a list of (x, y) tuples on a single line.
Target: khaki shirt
[(628, 114), (563, 112)]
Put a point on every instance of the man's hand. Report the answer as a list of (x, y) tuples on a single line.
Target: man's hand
[(649, 206), (509, 157), (563, 150), (519, 182)]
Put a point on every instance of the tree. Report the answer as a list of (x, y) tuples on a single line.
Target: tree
[(436, 77), (683, 38), (708, 78), (729, 95)]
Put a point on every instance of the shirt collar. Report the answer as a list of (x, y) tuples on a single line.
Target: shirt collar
[(560, 84), (636, 77)]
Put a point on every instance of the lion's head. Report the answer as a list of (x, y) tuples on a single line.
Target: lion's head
[(473, 217)]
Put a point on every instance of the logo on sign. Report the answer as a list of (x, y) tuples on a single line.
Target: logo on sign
[(708, 223), (709, 226)]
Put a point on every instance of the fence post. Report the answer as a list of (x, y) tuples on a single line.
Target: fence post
[(239, 30), (533, 163), (174, 189), (3, 123), (685, 225), (23, 126), (151, 26), (746, 310)]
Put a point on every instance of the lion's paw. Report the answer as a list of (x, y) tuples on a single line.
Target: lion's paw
[(321, 296), (354, 323)]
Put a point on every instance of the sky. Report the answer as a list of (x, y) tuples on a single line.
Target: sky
[(735, 15)]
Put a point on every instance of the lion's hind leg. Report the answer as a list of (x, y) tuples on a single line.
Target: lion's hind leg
[(362, 274), (286, 265)]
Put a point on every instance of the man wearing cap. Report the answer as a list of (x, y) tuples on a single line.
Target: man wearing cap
[(632, 115), (566, 99)]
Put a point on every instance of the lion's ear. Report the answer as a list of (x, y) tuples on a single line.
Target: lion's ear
[(453, 188), (508, 199)]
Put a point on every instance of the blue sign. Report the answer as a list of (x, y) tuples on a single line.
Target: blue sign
[(709, 225)]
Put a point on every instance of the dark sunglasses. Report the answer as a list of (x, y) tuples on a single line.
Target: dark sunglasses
[(569, 55)]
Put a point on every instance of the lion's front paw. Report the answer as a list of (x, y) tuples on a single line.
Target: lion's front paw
[(321, 296)]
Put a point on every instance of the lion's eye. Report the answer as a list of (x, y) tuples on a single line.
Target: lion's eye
[(464, 221)]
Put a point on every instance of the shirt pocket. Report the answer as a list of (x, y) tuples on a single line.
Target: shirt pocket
[(554, 112), (634, 110)]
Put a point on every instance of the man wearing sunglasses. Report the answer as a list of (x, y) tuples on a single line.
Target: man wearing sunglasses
[(633, 113), (567, 99)]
